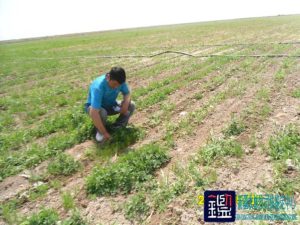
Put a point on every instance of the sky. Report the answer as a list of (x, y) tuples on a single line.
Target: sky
[(38, 18)]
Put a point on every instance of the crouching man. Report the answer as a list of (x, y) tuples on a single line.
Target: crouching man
[(101, 101)]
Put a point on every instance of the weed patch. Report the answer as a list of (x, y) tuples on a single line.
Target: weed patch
[(68, 201), (121, 139), (296, 93), (235, 128), (218, 148), (51, 217), (136, 208), (63, 164), (38, 191), (45, 217), (285, 144), (129, 170)]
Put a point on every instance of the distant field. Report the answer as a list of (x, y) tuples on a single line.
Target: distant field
[(201, 122)]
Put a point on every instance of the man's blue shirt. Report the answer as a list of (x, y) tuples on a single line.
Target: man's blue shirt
[(101, 95)]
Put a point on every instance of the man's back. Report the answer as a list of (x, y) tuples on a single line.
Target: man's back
[(101, 95)]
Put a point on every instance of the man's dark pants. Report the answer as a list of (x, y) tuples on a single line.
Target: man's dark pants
[(122, 120)]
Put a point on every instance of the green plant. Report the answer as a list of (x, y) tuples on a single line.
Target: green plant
[(169, 141), (280, 74), (166, 192), (286, 185), (50, 217), (218, 148), (263, 94), (8, 212), (285, 143), (157, 96), (136, 207), (193, 173), (68, 201), (264, 111), (184, 127), (38, 191), (56, 184), (121, 139), (13, 162), (235, 128), (63, 164), (209, 175), (155, 119), (284, 69), (296, 93), (253, 142), (198, 96), (122, 176), (44, 217), (75, 219)]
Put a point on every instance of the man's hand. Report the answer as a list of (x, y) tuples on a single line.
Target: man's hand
[(94, 113), (107, 136), (124, 111)]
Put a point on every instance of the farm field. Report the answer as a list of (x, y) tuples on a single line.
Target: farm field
[(225, 117)]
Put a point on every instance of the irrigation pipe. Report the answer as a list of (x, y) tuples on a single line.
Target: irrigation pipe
[(190, 54)]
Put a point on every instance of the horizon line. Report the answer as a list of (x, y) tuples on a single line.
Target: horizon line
[(16, 40)]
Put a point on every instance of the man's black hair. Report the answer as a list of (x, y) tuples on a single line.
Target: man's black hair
[(118, 74)]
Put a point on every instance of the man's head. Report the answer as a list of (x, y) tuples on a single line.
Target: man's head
[(117, 76)]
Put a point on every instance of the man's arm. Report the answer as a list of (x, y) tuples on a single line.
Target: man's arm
[(94, 113), (125, 104)]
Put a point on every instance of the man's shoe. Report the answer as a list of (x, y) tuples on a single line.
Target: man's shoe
[(117, 125), (121, 121), (99, 137)]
